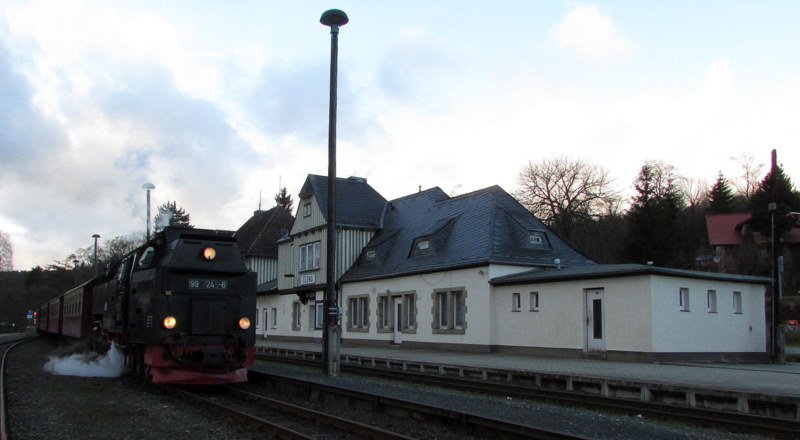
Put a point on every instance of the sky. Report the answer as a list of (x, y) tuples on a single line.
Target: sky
[(220, 103)]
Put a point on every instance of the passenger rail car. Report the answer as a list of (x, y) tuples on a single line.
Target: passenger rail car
[(181, 307)]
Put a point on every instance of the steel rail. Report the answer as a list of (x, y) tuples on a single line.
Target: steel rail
[(12, 344), (469, 421), (282, 431), (731, 421)]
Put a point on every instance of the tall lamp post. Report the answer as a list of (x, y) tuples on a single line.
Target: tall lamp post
[(331, 331), (95, 236), (148, 187)]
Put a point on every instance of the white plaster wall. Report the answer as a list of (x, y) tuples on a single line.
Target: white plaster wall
[(474, 281), (283, 306), (700, 331), (561, 319)]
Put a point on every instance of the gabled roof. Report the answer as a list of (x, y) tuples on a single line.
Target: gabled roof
[(429, 231), (615, 271), (725, 229), (357, 203), (259, 234)]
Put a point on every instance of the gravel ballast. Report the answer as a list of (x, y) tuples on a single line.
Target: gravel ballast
[(46, 406)]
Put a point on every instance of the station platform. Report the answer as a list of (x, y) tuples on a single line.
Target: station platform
[(743, 383)]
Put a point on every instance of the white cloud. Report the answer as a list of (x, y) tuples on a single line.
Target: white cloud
[(591, 34)]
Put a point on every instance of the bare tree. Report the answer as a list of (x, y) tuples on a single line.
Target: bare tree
[(563, 192), (6, 253), (695, 191), (750, 179)]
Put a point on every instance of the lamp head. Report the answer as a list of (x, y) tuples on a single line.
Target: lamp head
[(334, 18), (148, 186)]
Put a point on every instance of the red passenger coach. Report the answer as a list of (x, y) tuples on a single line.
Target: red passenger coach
[(54, 316), (77, 311)]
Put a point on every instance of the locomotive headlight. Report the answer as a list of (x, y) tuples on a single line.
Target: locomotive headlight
[(244, 323), (209, 253), (170, 322)]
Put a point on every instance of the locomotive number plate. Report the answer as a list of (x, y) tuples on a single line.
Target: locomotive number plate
[(197, 283)]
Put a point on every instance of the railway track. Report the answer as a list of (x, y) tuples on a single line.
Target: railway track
[(293, 421), (729, 421), (6, 345), (283, 419)]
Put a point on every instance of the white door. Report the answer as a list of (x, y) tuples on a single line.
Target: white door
[(595, 339), (398, 319)]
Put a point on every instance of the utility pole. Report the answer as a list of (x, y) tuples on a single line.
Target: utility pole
[(331, 330)]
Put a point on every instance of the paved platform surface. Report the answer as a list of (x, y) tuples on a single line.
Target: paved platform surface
[(781, 380)]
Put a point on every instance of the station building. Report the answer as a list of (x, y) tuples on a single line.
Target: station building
[(480, 273)]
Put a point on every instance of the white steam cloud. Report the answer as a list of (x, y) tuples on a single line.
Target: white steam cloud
[(89, 364)]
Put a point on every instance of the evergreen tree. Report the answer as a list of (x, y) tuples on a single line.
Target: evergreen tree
[(653, 230), (776, 187), (720, 197), (284, 200), (169, 214)]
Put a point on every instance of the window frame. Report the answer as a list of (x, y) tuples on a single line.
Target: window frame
[(516, 302), (309, 256), (534, 305), (296, 315), (711, 301), (358, 313), (318, 317), (450, 311), (683, 299), (737, 303)]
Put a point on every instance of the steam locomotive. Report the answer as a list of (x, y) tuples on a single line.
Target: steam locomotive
[(181, 306)]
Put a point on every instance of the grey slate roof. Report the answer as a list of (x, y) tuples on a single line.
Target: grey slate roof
[(614, 271), (357, 203), (259, 234), (482, 227)]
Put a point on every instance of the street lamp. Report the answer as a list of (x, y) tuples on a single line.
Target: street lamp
[(332, 18), (95, 236), (147, 187)]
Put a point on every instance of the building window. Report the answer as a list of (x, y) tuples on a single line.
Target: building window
[(358, 309), (535, 238), (422, 246), (449, 312), (384, 312), (737, 302), (409, 302), (516, 302), (307, 209), (371, 255), (683, 299), (534, 302), (296, 315), (309, 256), (317, 314), (711, 301), (274, 318)]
